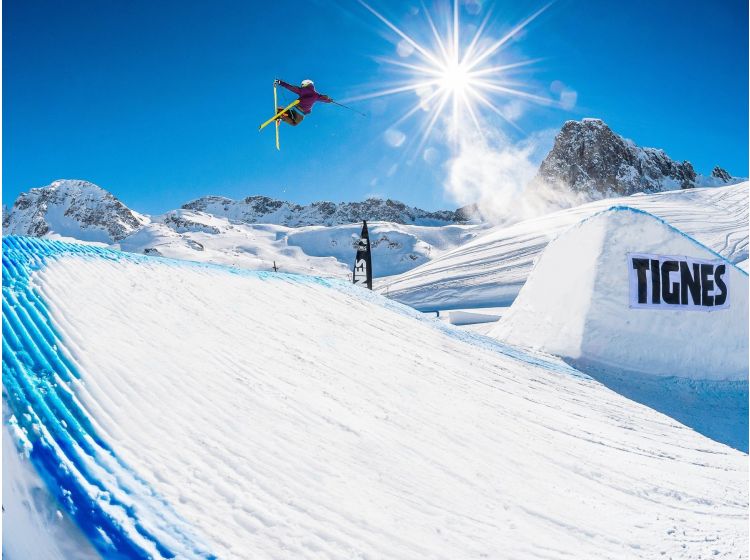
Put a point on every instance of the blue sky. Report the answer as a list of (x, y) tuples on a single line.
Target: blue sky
[(159, 102)]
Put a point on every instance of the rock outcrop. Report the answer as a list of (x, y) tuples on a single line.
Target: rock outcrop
[(589, 159)]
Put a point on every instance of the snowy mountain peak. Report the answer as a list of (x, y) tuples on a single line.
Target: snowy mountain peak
[(590, 159), (590, 121), (74, 186), (72, 208)]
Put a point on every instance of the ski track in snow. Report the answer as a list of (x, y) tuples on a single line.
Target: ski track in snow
[(491, 270), (210, 411)]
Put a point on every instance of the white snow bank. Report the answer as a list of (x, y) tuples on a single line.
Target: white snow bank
[(578, 304)]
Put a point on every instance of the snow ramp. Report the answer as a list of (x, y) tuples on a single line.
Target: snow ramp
[(625, 293), (169, 409)]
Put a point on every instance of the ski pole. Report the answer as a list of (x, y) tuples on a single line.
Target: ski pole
[(347, 107)]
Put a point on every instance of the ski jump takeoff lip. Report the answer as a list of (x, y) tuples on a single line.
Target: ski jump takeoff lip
[(117, 510), (677, 282)]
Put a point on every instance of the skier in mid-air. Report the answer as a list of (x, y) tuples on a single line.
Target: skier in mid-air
[(307, 98)]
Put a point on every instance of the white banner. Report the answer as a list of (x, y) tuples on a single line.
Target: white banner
[(677, 282)]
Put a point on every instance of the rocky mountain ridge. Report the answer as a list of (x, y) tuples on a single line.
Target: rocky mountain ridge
[(591, 160), (263, 209)]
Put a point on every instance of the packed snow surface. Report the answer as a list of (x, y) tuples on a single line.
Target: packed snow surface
[(490, 270), (196, 411)]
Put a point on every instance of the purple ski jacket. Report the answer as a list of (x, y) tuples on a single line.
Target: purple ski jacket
[(307, 96)]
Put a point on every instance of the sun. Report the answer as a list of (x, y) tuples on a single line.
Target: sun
[(455, 78), (452, 78)]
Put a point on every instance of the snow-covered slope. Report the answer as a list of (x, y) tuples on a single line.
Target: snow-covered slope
[(205, 412), (319, 250), (195, 236), (490, 270), (396, 248)]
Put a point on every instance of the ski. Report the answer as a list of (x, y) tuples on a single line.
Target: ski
[(278, 115), (278, 122)]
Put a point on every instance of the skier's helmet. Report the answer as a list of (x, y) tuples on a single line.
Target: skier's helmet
[(306, 83)]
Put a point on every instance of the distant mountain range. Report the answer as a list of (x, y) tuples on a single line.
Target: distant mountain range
[(265, 210), (256, 233), (80, 209)]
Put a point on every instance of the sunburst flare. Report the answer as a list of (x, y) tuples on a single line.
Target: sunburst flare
[(454, 79)]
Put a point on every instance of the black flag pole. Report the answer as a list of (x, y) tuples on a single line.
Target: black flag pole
[(363, 260)]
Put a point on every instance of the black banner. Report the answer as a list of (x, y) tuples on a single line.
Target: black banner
[(363, 260)]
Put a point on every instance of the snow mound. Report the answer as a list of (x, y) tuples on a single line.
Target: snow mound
[(175, 409), (580, 302)]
